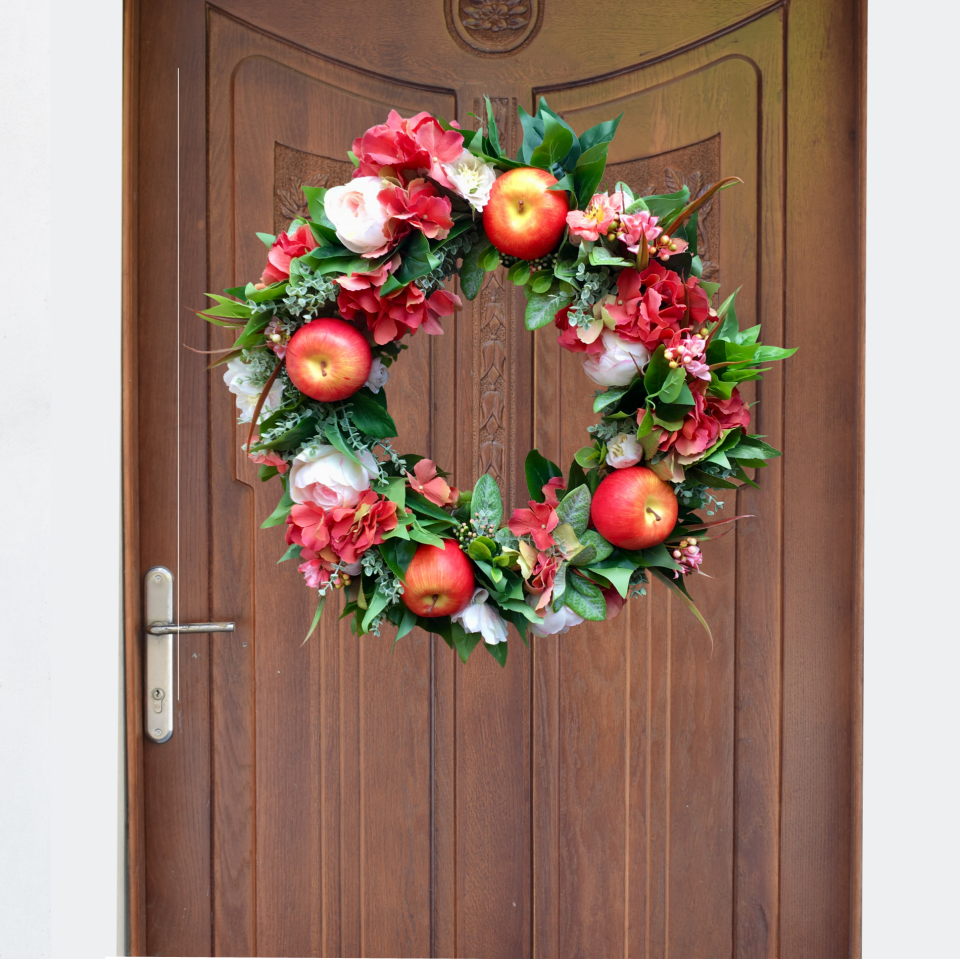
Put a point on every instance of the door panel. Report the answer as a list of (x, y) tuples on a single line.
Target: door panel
[(617, 791)]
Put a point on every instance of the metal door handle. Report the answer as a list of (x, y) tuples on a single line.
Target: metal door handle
[(162, 629), (159, 632)]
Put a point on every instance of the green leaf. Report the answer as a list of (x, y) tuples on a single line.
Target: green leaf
[(672, 586), (498, 651), (587, 457), (557, 141), (316, 617), (533, 129), (519, 273), (394, 490), (576, 476), (471, 272), (489, 259), (463, 642), (541, 281), (493, 135), (584, 598), (293, 553), (417, 261), (667, 206), (600, 256), (595, 549), (574, 509), (617, 570), (397, 554), (407, 622), (279, 515), (658, 556), (673, 384), (273, 292), (542, 308), (539, 470), (425, 536), (754, 449), (601, 133), (658, 369), (377, 604), (486, 506), (479, 551), (427, 508), (370, 417), (589, 173), (227, 308), (332, 433)]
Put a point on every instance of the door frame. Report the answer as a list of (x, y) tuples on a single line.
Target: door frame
[(136, 891)]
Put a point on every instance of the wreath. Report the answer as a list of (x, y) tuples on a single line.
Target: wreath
[(618, 275)]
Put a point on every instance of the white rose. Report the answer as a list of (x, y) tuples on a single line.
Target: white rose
[(623, 451), (237, 378), (471, 178), (355, 211), (326, 477), (553, 623), (619, 363), (379, 375), (478, 616)]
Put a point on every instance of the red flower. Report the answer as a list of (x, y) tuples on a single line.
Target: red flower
[(392, 144), (420, 206), (403, 311), (355, 529), (443, 146), (308, 525), (702, 425), (363, 279), (568, 338), (286, 248), (433, 487), (543, 577), (729, 413), (550, 489), (538, 521)]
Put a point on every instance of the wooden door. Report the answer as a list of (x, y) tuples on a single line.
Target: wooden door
[(614, 792)]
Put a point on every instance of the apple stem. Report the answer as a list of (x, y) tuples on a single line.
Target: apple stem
[(520, 204), (654, 512), (323, 368)]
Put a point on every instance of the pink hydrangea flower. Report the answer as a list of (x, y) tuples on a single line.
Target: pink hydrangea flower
[(538, 521), (426, 482), (689, 353), (596, 219)]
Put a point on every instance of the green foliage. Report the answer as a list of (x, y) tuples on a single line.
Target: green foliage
[(486, 505), (370, 417), (539, 470), (574, 509)]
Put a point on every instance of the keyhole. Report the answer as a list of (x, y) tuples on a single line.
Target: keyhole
[(157, 695)]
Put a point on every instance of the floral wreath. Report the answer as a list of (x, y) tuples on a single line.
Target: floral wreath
[(620, 278)]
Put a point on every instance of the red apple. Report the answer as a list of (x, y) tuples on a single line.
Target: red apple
[(439, 581), (634, 509), (328, 359), (523, 218)]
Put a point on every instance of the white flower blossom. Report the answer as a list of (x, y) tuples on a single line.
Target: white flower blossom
[(326, 477), (478, 616), (471, 178), (619, 363), (553, 622), (238, 380), (379, 375), (355, 211), (623, 451)]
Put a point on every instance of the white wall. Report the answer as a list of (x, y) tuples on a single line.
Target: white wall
[(60, 708), (911, 866)]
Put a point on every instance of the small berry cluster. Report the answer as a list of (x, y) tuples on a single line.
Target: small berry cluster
[(546, 262), (465, 535)]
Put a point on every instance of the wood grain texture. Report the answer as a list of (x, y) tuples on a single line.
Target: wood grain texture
[(614, 791)]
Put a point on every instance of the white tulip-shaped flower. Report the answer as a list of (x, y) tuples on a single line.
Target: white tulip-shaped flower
[(237, 379), (619, 363), (478, 616), (554, 622)]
